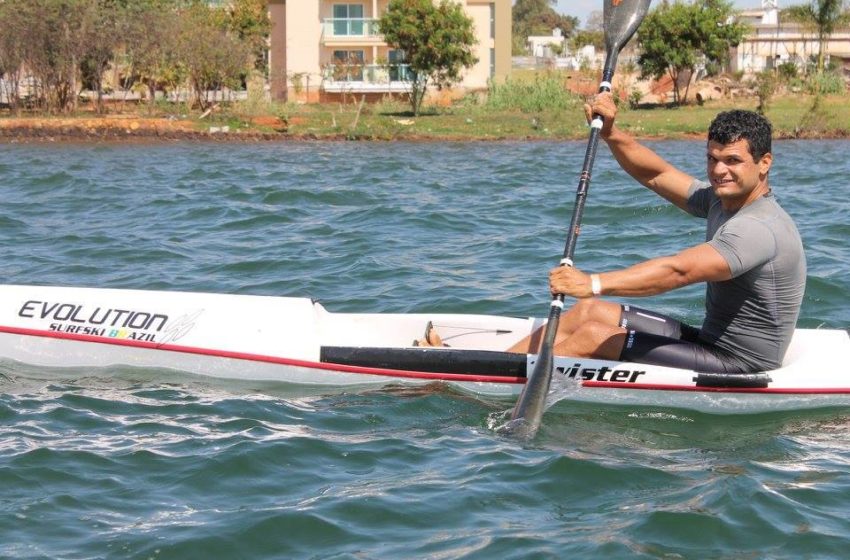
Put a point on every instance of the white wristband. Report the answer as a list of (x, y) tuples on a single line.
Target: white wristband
[(595, 284)]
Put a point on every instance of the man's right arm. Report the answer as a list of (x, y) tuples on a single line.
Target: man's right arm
[(647, 167)]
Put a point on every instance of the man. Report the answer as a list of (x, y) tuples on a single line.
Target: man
[(752, 261)]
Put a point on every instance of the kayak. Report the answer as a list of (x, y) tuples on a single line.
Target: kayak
[(296, 340)]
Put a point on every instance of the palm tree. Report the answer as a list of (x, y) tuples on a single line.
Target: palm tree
[(822, 16)]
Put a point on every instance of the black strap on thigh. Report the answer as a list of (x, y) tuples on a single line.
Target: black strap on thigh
[(643, 320)]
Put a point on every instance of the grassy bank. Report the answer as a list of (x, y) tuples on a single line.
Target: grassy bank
[(793, 116)]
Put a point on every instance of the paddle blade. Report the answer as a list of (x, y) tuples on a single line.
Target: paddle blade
[(529, 409), (621, 19)]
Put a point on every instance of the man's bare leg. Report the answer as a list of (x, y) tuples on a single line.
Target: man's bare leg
[(589, 311), (593, 340), (590, 328)]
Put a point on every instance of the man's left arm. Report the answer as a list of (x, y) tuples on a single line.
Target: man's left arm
[(702, 263)]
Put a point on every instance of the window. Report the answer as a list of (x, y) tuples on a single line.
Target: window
[(398, 69), (348, 66), (492, 20), (492, 63), (348, 19)]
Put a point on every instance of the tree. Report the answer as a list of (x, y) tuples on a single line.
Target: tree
[(437, 42), (595, 21), (212, 57), (53, 46), (676, 37), (765, 83), (100, 31), (822, 16), (12, 34), (586, 37), (537, 17), (150, 44), (249, 20)]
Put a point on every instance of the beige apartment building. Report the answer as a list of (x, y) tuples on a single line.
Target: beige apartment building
[(771, 41), (326, 49)]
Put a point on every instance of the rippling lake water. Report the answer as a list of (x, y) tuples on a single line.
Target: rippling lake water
[(133, 463)]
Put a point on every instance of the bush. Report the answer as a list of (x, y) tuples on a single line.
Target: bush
[(634, 98), (545, 93), (787, 71), (825, 83), (765, 83), (815, 121)]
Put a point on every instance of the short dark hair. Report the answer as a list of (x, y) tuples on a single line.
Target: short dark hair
[(731, 126)]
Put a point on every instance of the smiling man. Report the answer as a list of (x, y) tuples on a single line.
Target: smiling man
[(752, 262)]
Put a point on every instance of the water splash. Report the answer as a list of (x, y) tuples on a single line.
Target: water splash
[(562, 388)]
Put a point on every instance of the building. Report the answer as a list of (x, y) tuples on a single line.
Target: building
[(326, 49), (771, 41), (547, 46)]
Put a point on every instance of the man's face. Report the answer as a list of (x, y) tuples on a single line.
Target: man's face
[(733, 173)]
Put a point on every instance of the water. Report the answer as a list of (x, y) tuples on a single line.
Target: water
[(134, 463)]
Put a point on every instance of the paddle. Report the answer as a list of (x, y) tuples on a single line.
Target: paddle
[(621, 19)]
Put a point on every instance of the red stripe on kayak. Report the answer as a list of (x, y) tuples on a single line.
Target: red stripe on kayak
[(778, 391), (263, 358)]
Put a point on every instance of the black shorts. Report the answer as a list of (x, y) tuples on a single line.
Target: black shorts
[(652, 338)]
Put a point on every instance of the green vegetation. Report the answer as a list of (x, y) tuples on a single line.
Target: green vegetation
[(765, 86), (675, 37), (531, 105), (584, 37), (537, 17), (66, 46), (545, 92), (793, 116), (790, 115), (436, 39)]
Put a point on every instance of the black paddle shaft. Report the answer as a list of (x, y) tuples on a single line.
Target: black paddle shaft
[(586, 171)]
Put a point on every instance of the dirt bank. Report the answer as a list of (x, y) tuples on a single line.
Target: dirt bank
[(119, 127)]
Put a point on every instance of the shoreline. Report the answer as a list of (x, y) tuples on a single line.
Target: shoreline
[(139, 129)]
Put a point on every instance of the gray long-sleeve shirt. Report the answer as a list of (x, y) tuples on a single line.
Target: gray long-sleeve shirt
[(753, 315)]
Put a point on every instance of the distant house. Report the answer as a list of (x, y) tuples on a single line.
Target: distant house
[(547, 46), (772, 42), (323, 49)]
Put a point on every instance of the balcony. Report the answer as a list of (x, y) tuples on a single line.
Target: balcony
[(344, 30), (365, 78)]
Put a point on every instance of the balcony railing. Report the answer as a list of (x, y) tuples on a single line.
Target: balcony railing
[(367, 77), (350, 27)]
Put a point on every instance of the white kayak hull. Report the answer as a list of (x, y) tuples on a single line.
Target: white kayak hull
[(295, 340)]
